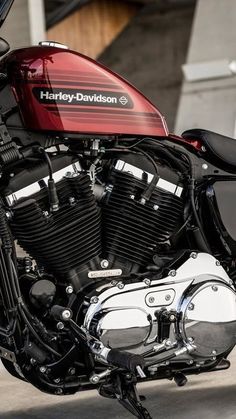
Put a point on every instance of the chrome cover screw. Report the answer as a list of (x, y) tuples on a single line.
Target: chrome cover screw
[(214, 352), (66, 314), (193, 255), (156, 207), (60, 325), (151, 300), (120, 285), (94, 379), (94, 300), (143, 201), (190, 340), (217, 263), (43, 370), (69, 289), (214, 288), (147, 282), (205, 166), (168, 297), (57, 380), (191, 306), (132, 196), (172, 273), (104, 264), (113, 283)]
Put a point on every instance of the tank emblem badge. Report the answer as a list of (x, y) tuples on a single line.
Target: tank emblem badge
[(82, 97)]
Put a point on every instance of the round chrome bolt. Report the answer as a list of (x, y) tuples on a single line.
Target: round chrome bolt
[(214, 288), (151, 300), (147, 282), (104, 264), (155, 207), (193, 255), (120, 285), (94, 300), (60, 325), (168, 297), (191, 307), (66, 314), (172, 273), (43, 370), (69, 289), (205, 166)]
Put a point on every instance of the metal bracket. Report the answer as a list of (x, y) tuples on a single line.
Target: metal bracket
[(6, 354)]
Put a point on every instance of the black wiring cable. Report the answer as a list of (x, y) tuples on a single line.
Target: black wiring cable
[(48, 161)]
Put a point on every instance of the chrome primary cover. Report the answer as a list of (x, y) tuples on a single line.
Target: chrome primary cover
[(124, 315), (208, 318)]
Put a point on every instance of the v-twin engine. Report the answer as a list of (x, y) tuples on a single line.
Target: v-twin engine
[(193, 307)]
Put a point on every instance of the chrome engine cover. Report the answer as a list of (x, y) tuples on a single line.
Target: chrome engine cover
[(208, 318), (123, 316)]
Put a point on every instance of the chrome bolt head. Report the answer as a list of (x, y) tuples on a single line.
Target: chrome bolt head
[(218, 263), (69, 289), (104, 264), (172, 272), (60, 326), (205, 166), (151, 300), (43, 370), (94, 300), (193, 255), (214, 288), (191, 307), (214, 352), (120, 285), (155, 207), (147, 282), (66, 314), (168, 297), (94, 379)]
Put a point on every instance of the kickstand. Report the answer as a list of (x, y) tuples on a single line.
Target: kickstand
[(124, 390)]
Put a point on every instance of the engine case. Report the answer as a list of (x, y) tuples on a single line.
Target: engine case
[(125, 317)]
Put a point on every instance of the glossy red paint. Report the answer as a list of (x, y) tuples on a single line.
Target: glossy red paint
[(63, 91), (196, 144)]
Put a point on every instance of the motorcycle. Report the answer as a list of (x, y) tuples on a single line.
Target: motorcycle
[(128, 231)]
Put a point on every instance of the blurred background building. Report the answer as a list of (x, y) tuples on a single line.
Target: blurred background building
[(148, 42)]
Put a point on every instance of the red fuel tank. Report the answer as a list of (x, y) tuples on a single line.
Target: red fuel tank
[(61, 90)]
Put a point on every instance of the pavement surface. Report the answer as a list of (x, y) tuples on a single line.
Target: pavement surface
[(211, 395)]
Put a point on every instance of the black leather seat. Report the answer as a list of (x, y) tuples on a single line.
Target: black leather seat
[(223, 148)]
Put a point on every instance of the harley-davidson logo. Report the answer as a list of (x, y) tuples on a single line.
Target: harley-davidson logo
[(123, 100), (82, 97)]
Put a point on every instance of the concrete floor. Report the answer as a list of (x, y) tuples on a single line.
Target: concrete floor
[(208, 396)]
